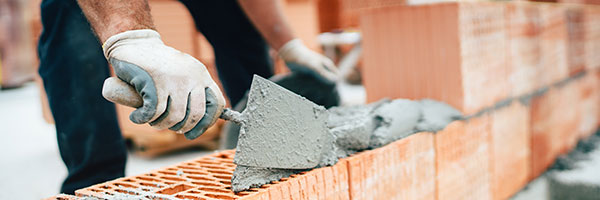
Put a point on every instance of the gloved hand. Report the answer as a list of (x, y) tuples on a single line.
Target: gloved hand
[(299, 58), (177, 90)]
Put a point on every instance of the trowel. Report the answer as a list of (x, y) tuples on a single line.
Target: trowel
[(279, 129)]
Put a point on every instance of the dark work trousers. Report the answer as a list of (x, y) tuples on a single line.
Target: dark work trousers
[(73, 69)]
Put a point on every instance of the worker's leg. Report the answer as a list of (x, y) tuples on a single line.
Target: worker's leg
[(240, 51), (73, 69)]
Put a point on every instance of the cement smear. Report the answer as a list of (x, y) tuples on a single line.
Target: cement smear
[(352, 129), (247, 177), (282, 130)]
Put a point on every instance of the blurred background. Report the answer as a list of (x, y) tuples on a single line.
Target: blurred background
[(368, 39)]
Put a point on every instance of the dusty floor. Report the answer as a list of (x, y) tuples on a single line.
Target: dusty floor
[(31, 167)]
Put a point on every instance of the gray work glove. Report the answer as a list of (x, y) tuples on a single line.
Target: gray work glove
[(176, 89), (300, 58)]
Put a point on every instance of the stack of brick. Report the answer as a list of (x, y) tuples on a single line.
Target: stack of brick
[(525, 74), (506, 65)]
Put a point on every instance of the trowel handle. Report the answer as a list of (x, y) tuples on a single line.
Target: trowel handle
[(231, 115), (118, 91)]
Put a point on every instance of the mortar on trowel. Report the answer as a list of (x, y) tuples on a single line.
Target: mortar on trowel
[(280, 129)]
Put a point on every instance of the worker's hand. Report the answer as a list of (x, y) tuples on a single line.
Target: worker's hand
[(177, 90), (299, 58)]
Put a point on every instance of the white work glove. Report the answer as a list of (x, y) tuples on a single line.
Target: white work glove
[(177, 90), (299, 58)]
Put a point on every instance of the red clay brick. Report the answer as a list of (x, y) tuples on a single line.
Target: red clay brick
[(589, 96), (465, 66), (553, 44), (462, 160), (401, 170), (335, 14), (575, 24), (344, 14), (510, 151), (592, 36), (554, 121), (524, 57)]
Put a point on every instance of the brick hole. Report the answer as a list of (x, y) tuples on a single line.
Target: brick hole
[(129, 180), (168, 173), (176, 179), (154, 185), (229, 165), (95, 190), (148, 179), (175, 189), (220, 171), (124, 185), (211, 166), (215, 189), (126, 192), (181, 196), (220, 196), (205, 183), (226, 177), (241, 194), (169, 182), (194, 191), (206, 162), (105, 187), (226, 182), (224, 156), (195, 172), (203, 178), (187, 167)]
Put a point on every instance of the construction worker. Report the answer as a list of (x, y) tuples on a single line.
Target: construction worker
[(174, 85)]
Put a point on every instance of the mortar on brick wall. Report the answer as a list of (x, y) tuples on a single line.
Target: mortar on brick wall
[(359, 128)]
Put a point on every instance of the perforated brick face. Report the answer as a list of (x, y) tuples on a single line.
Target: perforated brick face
[(208, 177)]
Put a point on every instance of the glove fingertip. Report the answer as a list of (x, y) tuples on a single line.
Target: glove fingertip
[(195, 133), (141, 115)]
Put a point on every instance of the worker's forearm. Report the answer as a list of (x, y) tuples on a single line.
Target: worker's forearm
[(109, 17), (267, 16)]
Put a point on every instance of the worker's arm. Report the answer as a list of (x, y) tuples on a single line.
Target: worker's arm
[(109, 17), (267, 16), (177, 90)]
